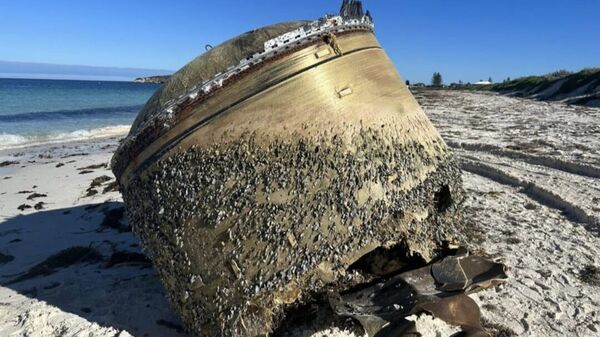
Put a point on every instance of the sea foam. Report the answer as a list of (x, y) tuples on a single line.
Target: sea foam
[(10, 141)]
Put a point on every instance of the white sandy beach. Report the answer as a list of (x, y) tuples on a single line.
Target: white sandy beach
[(85, 299), (532, 172)]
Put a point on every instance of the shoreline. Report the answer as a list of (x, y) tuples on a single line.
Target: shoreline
[(83, 136), (51, 145)]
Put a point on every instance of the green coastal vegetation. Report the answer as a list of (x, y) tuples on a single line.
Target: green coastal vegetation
[(580, 88)]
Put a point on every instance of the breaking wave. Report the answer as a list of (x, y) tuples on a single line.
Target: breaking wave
[(70, 114), (9, 141)]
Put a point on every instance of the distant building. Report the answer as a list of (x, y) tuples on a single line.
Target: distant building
[(483, 83)]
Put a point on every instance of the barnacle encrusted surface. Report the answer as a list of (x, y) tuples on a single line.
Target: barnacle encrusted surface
[(243, 228)]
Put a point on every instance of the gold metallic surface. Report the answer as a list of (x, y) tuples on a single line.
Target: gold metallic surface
[(214, 61), (312, 86)]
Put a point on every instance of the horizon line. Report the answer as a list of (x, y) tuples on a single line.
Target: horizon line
[(66, 77), (83, 65)]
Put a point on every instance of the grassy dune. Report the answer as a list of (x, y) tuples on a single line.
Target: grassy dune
[(581, 88)]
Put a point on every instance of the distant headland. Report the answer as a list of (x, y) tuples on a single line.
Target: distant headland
[(10, 69), (153, 79)]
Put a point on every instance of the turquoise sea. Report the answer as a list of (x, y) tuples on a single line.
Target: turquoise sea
[(34, 111)]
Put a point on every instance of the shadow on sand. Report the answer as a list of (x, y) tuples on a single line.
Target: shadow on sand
[(83, 260)]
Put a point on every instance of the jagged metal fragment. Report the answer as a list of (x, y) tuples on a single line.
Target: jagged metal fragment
[(450, 275), (439, 289)]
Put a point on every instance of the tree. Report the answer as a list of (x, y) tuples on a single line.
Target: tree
[(407, 83), (490, 80), (437, 80)]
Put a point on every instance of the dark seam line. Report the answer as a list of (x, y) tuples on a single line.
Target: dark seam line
[(175, 141)]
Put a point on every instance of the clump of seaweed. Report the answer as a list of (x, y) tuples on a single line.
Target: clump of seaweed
[(92, 167), (113, 219), (36, 195), (8, 163), (64, 258), (23, 207), (591, 275), (5, 258), (111, 187), (90, 192), (99, 181), (123, 257)]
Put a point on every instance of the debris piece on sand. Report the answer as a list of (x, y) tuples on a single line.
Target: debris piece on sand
[(439, 289), (39, 206)]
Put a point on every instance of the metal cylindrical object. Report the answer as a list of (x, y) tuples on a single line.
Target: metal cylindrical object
[(264, 193)]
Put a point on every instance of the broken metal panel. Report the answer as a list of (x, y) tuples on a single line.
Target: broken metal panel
[(439, 289)]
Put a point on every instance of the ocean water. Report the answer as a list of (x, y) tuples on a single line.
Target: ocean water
[(37, 111)]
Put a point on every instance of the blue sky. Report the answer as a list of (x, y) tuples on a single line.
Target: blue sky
[(464, 40)]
